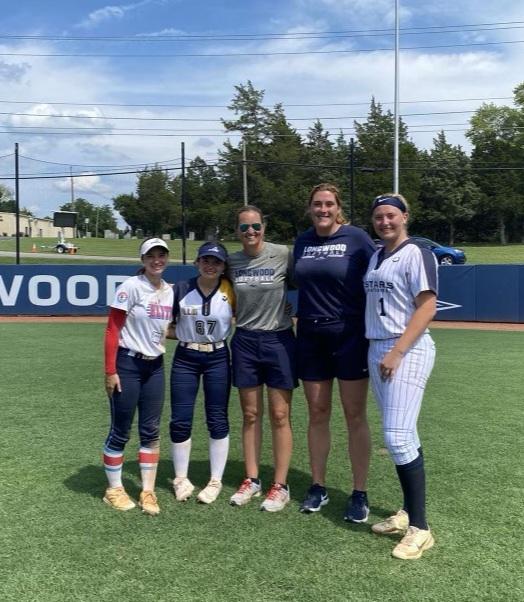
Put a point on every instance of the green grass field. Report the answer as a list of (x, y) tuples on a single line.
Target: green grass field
[(129, 248), (61, 543)]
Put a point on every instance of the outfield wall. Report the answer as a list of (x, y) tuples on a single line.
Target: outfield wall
[(478, 293)]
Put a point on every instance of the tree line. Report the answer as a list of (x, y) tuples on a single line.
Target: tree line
[(453, 196)]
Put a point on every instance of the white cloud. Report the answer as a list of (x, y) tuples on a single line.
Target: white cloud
[(83, 184), (110, 12)]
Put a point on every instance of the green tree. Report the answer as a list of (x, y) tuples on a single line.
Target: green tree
[(448, 193), (154, 208), (497, 157), (100, 217), (374, 161)]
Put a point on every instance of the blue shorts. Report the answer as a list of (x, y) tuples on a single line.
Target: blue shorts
[(264, 357), (330, 349)]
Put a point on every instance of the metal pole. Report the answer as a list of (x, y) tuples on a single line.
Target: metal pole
[(244, 171), (75, 230), (396, 136), (351, 180), (183, 201), (17, 205), (96, 222)]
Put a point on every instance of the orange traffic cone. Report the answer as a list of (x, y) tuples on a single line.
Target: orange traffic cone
[(33, 249)]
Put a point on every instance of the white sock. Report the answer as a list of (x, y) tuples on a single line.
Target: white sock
[(148, 462), (218, 452), (113, 462), (180, 453)]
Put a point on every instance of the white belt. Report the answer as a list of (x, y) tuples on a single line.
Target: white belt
[(203, 347)]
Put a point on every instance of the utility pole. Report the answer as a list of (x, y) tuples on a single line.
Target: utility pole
[(396, 136), (244, 171), (17, 205), (351, 180), (183, 202)]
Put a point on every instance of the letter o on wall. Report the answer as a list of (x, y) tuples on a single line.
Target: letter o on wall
[(34, 296), (71, 292)]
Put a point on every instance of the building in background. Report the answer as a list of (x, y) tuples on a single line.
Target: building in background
[(33, 227)]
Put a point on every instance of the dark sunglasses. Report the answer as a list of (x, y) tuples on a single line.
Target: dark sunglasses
[(257, 226)]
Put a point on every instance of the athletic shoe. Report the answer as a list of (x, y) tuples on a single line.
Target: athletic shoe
[(414, 542), (357, 509), (118, 499), (316, 497), (210, 492), (398, 523), (183, 488), (276, 499), (248, 489), (149, 503)]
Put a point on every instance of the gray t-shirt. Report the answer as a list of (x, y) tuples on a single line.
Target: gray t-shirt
[(260, 285)]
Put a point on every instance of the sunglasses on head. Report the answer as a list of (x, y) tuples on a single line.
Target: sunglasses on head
[(257, 226)]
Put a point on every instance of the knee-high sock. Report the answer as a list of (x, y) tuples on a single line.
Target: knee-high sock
[(148, 462), (413, 482), (113, 462), (218, 452), (180, 453)]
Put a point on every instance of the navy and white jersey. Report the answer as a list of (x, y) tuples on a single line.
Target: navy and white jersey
[(329, 272), (392, 283), (148, 314), (201, 319)]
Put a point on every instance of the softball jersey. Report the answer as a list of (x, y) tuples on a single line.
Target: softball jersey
[(201, 319), (392, 282), (148, 312)]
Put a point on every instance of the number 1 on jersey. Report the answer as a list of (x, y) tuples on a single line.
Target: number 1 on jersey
[(381, 303)]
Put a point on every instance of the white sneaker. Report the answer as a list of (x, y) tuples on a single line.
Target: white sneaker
[(276, 499), (245, 492), (413, 544), (183, 488), (210, 492)]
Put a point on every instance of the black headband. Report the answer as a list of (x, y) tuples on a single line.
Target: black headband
[(389, 200)]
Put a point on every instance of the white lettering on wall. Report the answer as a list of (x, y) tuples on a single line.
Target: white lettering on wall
[(34, 296), (72, 296), (9, 297)]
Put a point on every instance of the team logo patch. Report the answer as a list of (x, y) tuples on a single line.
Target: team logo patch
[(122, 297)]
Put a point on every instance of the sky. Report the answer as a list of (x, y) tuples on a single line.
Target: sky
[(151, 74)]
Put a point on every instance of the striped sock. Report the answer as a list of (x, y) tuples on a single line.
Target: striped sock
[(113, 461), (148, 462)]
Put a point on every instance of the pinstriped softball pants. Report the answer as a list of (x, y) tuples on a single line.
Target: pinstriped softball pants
[(399, 398)]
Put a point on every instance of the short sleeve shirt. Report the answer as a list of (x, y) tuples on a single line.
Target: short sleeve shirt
[(148, 314), (260, 284), (201, 319), (392, 283)]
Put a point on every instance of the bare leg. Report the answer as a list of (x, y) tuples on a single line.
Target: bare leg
[(252, 402), (353, 394), (318, 395), (280, 417)]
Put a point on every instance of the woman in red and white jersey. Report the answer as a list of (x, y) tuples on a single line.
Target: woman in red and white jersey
[(134, 348)]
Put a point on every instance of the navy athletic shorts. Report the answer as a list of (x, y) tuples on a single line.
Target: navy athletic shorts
[(328, 349), (264, 357)]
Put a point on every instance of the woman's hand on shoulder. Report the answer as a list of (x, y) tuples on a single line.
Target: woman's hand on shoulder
[(112, 382)]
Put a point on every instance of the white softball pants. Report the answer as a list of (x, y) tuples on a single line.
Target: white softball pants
[(400, 397)]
